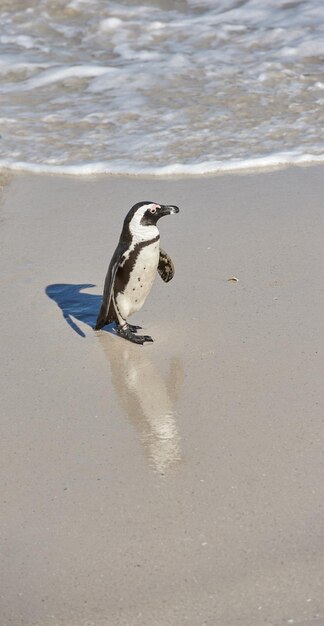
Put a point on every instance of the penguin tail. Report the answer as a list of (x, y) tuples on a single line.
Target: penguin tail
[(103, 319), (100, 323)]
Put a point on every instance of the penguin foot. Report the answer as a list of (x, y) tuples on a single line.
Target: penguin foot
[(134, 329), (126, 333)]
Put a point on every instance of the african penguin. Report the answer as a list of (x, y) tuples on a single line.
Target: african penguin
[(133, 267)]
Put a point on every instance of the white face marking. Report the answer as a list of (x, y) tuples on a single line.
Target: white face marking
[(140, 232)]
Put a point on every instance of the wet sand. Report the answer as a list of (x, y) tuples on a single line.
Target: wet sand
[(179, 483)]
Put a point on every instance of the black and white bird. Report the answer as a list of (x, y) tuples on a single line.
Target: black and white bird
[(133, 267)]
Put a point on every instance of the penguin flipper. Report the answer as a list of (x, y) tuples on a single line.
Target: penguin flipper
[(106, 312), (165, 267)]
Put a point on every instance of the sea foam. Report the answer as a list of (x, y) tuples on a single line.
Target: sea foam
[(176, 169), (172, 88)]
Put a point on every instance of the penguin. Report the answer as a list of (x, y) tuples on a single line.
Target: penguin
[(133, 267)]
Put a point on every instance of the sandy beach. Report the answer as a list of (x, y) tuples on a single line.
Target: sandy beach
[(179, 483)]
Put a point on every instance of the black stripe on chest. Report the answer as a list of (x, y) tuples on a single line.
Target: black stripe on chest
[(124, 272)]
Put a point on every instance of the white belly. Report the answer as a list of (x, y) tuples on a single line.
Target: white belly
[(141, 281)]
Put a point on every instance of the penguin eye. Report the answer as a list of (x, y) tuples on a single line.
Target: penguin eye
[(153, 209)]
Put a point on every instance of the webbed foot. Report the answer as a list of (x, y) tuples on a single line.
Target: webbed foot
[(134, 329), (126, 333)]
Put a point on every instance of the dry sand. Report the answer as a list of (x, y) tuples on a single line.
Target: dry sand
[(179, 483)]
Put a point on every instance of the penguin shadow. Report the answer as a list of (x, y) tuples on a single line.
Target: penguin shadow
[(144, 394), (148, 399), (76, 305)]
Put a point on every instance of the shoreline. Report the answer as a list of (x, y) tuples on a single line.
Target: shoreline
[(178, 482), (264, 164)]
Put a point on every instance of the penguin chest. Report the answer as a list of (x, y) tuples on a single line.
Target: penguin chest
[(141, 278)]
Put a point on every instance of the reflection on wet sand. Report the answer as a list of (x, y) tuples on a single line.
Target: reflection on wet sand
[(147, 398)]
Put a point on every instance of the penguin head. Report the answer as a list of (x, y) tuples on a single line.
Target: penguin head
[(148, 213), (140, 222)]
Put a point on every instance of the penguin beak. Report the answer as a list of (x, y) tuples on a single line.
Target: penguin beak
[(167, 209)]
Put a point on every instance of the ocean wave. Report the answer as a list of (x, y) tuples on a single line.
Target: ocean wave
[(269, 162), (188, 85)]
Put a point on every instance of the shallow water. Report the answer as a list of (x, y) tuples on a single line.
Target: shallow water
[(187, 86)]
